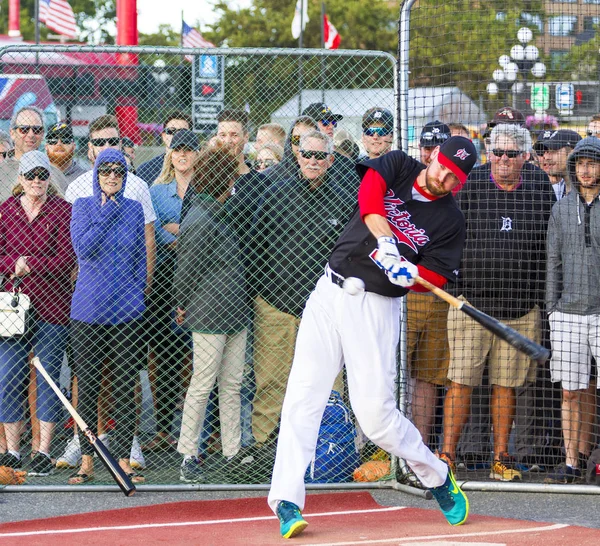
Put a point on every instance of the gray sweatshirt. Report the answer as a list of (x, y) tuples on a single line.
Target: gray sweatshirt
[(573, 246)]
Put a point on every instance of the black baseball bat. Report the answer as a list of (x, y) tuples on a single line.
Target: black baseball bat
[(118, 474), (511, 336)]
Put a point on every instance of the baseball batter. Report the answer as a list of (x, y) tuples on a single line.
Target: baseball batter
[(406, 224)]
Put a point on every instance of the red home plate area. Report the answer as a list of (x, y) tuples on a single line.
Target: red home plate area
[(339, 519)]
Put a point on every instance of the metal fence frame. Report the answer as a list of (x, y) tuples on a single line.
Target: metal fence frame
[(298, 53)]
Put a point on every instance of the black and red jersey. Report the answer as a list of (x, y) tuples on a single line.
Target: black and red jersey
[(429, 232)]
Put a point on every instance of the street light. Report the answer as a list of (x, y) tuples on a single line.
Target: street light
[(523, 59)]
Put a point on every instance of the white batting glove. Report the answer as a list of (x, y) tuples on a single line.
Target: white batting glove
[(387, 254), (403, 274)]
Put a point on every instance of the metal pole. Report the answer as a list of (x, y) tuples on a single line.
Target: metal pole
[(300, 45), (323, 60)]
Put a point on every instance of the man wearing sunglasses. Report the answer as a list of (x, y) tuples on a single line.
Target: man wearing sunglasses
[(554, 147), (27, 133), (295, 228), (377, 132), (507, 204), (175, 121), (326, 120), (60, 148)]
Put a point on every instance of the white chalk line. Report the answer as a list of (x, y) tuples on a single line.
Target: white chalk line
[(186, 523), (405, 540)]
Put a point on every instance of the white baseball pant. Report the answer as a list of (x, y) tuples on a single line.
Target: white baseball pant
[(361, 331)]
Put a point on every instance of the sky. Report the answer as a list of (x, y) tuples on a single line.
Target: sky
[(152, 13)]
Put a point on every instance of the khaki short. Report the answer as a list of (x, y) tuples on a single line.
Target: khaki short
[(471, 346), (427, 334)]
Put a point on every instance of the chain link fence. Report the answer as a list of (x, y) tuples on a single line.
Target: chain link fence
[(472, 65), (169, 318), (162, 288)]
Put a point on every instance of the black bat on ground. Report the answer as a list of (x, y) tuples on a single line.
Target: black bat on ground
[(119, 475), (512, 337)]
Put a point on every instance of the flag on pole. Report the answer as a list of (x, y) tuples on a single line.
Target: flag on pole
[(300, 18), (60, 18), (190, 37), (331, 35), (44, 6)]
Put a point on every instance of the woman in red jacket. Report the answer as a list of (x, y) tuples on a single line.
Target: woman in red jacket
[(35, 247)]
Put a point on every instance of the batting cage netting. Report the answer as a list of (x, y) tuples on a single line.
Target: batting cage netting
[(166, 213)]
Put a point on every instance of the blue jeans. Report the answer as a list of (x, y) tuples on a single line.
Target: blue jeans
[(48, 342)]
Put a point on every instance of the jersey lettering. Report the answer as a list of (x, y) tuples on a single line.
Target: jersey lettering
[(405, 231)]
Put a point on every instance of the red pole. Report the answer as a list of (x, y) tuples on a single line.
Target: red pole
[(127, 34), (14, 24)]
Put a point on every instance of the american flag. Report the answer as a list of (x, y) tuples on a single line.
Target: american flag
[(59, 17), (192, 38), (44, 6)]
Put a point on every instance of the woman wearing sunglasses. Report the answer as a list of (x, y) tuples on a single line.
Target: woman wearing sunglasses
[(170, 346), (107, 231), (270, 154), (36, 255)]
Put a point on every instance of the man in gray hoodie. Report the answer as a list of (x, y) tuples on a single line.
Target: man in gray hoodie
[(573, 303)]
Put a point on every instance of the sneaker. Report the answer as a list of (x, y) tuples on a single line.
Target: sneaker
[(448, 460), (504, 471), (564, 474), (191, 471), (529, 464), (71, 458), (9, 460), (136, 457), (453, 502), (290, 518), (41, 465)]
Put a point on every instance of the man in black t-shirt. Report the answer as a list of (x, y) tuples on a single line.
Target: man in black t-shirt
[(406, 225), (507, 204)]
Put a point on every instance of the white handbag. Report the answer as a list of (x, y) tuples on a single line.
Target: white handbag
[(14, 312)]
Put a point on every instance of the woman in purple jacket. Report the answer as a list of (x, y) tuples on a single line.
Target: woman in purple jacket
[(36, 253), (107, 230)]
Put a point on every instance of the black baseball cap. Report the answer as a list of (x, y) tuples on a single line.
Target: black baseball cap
[(60, 130), (378, 115), (434, 133), (319, 111), (459, 155), (185, 139), (127, 142), (555, 140)]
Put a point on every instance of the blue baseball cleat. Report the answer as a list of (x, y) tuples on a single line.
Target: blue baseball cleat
[(452, 500), (291, 520)]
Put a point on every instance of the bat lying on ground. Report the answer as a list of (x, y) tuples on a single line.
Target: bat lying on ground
[(512, 337), (119, 475)]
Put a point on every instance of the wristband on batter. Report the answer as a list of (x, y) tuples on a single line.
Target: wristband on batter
[(386, 239)]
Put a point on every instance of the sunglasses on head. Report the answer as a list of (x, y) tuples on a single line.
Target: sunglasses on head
[(377, 131), (106, 170), (172, 130), (326, 122), (41, 174), (264, 163), (24, 129), (511, 154), (55, 140), (319, 156)]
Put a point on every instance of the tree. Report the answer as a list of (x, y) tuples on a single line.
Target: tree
[(458, 42), (267, 23)]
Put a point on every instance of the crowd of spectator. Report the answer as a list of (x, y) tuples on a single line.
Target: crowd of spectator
[(197, 264)]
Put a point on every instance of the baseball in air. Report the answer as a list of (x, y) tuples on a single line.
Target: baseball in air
[(354, 285)]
